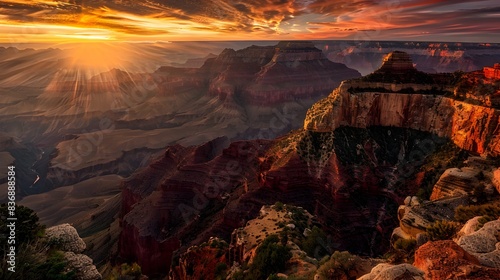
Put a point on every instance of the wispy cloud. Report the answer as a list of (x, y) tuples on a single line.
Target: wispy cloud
[(258, 19)]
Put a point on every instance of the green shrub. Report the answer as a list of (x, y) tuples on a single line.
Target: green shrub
[(271, 257), (339, 266), (278, 206), (27, 226), (465, 213), (407, 245), (314, 243), (131, 270), (442, 230)]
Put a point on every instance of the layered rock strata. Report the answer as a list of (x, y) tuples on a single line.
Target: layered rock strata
[(471, 127)]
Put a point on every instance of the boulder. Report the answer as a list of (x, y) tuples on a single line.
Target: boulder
[(66, 237), (83, 266), (386, 271), (446, 260), (484, 243)]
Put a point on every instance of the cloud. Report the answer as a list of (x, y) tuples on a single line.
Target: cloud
[(258, 19)]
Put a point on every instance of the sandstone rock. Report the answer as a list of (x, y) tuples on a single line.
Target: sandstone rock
[(83, 266), (496, 179), (415, 201), (407, 201), (386, 271), (492, 72), (66, 237), (483, 243), (472, 127), (456, 182), (469, 227), (399, 233), (415, 220), (447, 260), (269, 75), (396, 62)]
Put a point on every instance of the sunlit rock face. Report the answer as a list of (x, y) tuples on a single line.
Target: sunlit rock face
[(492, 72), (396, 62), (447, 260), (426, 107)]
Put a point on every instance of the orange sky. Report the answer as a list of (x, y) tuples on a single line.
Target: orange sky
[(170, 20)]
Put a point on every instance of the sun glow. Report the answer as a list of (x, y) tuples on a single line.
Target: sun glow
[(97, 56)]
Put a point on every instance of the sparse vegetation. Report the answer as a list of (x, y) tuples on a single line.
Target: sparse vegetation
[(338, 267), (271, 257), (126, 271), (36, 259), (442, 230), (278, 206), (465, 213), (407, 245), (314, 244)]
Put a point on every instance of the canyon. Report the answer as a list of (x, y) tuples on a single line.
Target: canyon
[(361, 151), (245, 129)]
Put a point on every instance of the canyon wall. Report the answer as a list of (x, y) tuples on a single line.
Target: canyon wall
[(471, 127)]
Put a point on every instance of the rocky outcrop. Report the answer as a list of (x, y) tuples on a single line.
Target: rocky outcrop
[(357, 158), (64, 237), (492, 72), (386, 271), (473, 127), (414, 219), (396, 62), (484, 244), (447, 260), (456, 182), (200, 262), (185, 197), (83, 266), (432, 57)]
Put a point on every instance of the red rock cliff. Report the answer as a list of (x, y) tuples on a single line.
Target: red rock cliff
[(473, 127)]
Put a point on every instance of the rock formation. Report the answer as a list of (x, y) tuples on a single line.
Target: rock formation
[(265, 76), (447, 260), (484, 244), (386, 271), (200, 262), (396, 62), (474, 128), (492, 72), (64, 237)]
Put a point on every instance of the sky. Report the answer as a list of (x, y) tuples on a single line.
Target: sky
[(199, 20)]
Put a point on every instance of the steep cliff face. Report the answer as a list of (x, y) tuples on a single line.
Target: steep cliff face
[(471, 127)]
